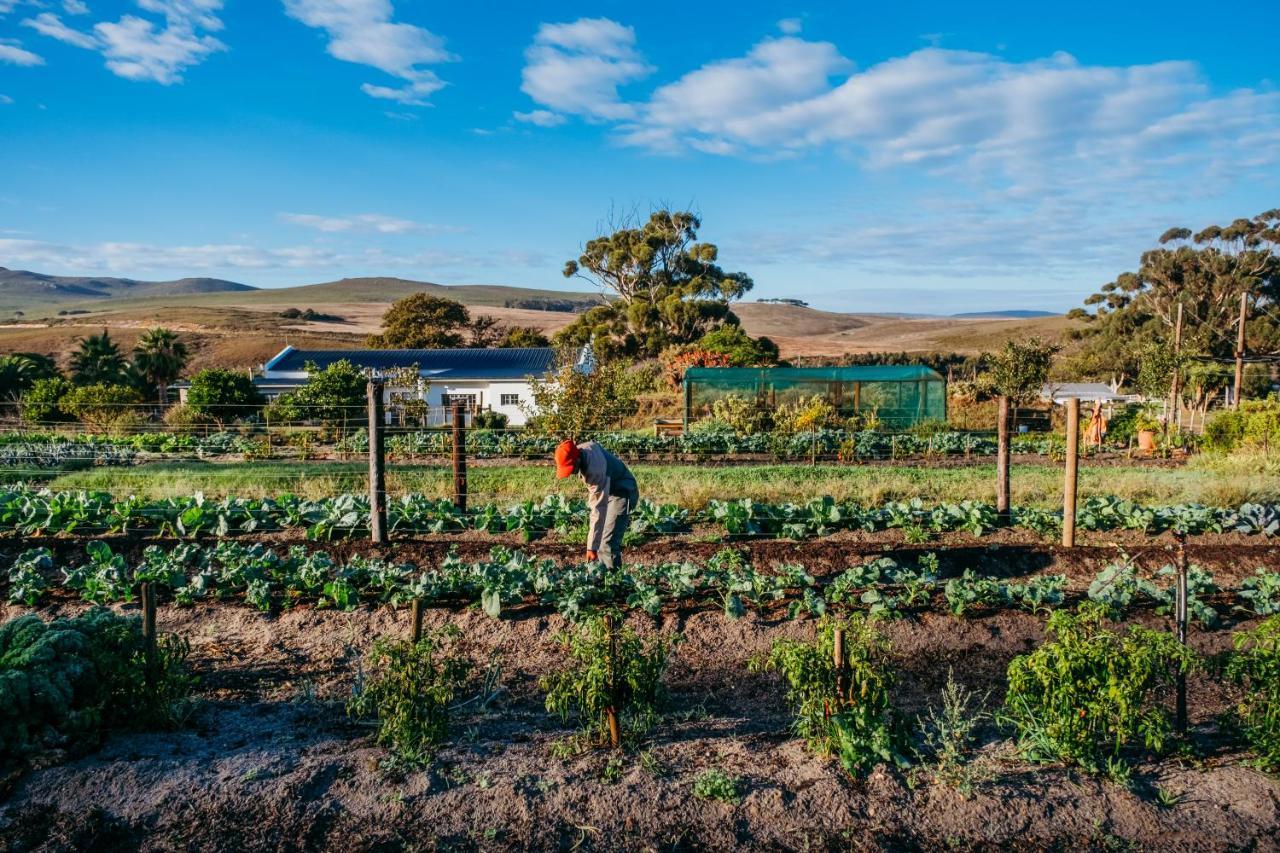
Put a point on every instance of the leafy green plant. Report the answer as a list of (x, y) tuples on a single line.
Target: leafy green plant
[(715, 784), (611, 670), (63, 683), (27, 581), (845, 710), (1255, 666), (971, 591), (1088, 694), (411, 690), (1262, 592), (104, 578)]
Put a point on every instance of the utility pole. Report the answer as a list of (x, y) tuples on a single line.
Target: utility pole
[(1244, 307)]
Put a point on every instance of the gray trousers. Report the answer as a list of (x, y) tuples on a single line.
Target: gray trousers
[(617, 518)]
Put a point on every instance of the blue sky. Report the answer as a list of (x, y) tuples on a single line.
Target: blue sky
[(927, 157)]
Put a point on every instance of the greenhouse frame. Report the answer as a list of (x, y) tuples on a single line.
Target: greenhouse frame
[(900, 395)]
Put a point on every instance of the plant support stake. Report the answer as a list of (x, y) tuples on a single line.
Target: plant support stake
[(1072, 474), (148, 596), (377, 464), (416, 611), (459, 459), (1002, 460), (611, 712), (837, 658)]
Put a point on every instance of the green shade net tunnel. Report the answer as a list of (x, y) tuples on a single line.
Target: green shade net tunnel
[(899, 395)]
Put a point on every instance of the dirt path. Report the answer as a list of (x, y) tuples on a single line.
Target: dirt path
[(270, 761)]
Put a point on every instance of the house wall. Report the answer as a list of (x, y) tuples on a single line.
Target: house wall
[(488, 394)]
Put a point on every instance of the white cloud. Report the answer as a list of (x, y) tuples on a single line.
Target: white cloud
[(14, 54), (363, 32), (541, 118), (364, 222), (49, 24), (576, 68), (706, 108), (75, 7), (5, 99), (141, 49), (790, 26)]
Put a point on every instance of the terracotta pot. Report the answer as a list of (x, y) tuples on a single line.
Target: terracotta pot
[(1146, 439)]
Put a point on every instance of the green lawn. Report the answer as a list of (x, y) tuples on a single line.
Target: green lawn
[(1217, 481)]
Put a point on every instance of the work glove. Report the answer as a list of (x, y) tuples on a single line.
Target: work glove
[(592, 556)]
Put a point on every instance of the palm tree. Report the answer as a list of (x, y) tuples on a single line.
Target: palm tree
[(98, 359), (159, 358)]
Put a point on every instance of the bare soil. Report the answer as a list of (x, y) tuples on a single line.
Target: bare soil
[(269, 760)]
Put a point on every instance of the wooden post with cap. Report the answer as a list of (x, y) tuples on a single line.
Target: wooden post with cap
[(459, 458), (377, 463), (1072, 474)]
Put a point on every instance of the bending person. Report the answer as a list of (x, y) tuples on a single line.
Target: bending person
[(611, 496)]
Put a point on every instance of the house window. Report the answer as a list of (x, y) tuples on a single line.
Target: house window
[(509, 400), (466, 400)]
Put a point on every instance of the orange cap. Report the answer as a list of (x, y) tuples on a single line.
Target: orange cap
[(566, 458)]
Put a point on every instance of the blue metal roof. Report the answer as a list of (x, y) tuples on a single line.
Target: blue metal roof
[(443, 363)]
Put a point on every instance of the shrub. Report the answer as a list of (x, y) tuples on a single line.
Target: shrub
[(611, 667), (490, 420), (42, 402), (64, 683), (1256, 667), (223, 395), (739, 348), (850, 715), (184, 420), (804, 415), (740, 414), (103, 406), (1088, 694), (411, 690), (1255, 424)]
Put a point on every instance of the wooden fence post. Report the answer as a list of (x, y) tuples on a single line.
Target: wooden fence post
[(416, 611), (1180, 619), (459, 458), (1002, 460), (377, 464), (1072, 474)]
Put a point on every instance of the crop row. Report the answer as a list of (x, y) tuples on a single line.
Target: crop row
[(46, 450), (35, 512), (269, 579)]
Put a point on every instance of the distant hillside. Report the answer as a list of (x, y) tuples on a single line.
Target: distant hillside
[(1015, 314), (386, 289), (20, 289)]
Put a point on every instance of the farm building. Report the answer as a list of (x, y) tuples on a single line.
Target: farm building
[(899, 395), (481, 379)]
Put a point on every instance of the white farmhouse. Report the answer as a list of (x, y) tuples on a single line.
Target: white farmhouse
[(481, 379)]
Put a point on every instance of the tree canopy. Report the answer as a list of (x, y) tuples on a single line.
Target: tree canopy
[(223, 395), (423, 321), (662, 287), (159, 359), (1204, 272), (97, 359)]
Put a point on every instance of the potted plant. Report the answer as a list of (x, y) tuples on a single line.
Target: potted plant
[(1146, 425)]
